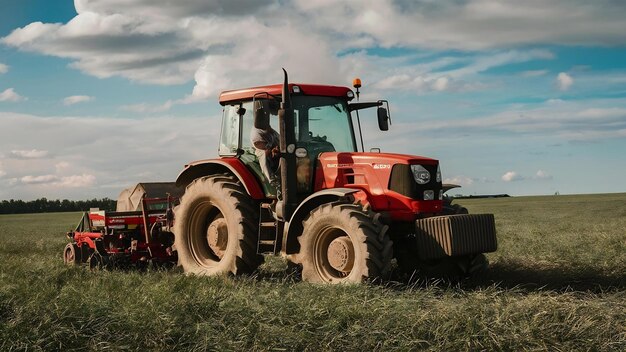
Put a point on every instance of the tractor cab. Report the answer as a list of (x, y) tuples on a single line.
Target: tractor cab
[(322, 123)]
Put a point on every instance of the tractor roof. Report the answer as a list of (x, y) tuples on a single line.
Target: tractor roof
[(277, 89)]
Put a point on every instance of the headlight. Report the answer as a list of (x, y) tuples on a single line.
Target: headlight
[(420, 174), (438, 178)]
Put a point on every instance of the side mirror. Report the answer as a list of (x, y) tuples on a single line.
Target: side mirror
[(383, 119), (261, 115)]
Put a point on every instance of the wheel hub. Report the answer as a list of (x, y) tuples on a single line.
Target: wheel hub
[(217, 237), (341, 254)]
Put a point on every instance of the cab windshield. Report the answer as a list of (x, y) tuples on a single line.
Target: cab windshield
[(321, 123), (323, 119)]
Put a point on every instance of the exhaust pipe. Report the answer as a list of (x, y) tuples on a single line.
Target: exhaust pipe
[(287, 201)]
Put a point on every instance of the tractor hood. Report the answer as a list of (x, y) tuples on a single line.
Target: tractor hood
[(386, 177), (375, 160)]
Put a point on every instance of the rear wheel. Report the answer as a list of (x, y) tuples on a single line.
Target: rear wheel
[(344, 243), (217, 228)]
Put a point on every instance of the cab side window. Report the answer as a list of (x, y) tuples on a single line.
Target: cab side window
[(229, 138)]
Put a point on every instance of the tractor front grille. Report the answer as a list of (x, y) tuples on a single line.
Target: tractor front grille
[(455, 235)]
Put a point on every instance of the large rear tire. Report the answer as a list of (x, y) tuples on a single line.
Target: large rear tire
[(344, 243), (216, 228)]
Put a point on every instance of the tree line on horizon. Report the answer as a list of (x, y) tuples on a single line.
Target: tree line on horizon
[(43, 205)]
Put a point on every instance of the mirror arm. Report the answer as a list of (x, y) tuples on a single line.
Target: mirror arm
[(366, 105)]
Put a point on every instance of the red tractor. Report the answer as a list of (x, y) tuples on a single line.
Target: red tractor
[(341, 213)]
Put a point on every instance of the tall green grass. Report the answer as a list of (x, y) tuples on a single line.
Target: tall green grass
[(557, 283)]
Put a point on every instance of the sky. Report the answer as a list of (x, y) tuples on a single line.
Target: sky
[(517, 97)]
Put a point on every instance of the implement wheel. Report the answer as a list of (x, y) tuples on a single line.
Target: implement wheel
[(343, 243), (217, 228), (97, 261), (71, 254)]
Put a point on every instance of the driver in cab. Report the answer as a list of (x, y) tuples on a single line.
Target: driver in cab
[(265, 141)]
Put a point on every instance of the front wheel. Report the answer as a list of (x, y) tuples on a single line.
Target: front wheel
[(217, 228), (344, 243)]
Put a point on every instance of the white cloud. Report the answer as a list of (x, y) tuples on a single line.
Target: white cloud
[(460, 180), (491, 60), (511, 176), (168, 42), (255, 62), (77, 181), (108, 44), (584, 120), (399, 81), (486, 180), (62, 166), (471, 24), (9, 94), (3, 68), (34, 180), (131, 150), (542, 175), (73, 181), (148, 108), (2, 172), (29, 154), (441, 84), (564, 81), (75, 99), (534, 73), (433, 76)]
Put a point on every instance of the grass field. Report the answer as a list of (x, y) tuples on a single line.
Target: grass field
[(556, 283)]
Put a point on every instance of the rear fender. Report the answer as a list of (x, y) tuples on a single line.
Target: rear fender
[(232, 166), (294, 228)]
